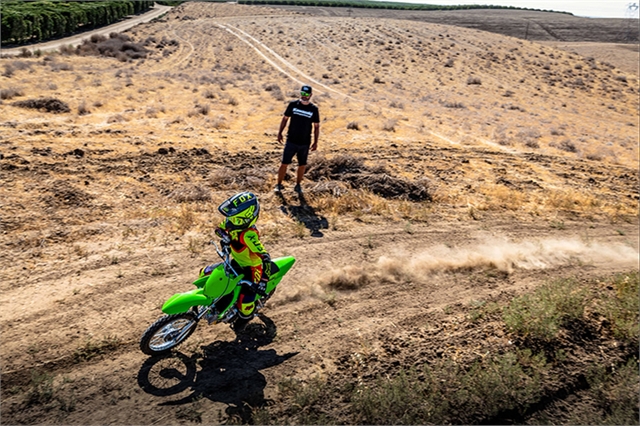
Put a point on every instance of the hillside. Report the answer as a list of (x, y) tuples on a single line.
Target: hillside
[(456, 167)]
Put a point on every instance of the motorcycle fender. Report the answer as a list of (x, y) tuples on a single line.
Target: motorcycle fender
[(181, 302), (284, 264), (200, 282)]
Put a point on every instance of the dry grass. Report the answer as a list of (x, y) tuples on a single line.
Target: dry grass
[(139, 123)]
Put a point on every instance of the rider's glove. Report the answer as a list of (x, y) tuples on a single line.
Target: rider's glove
[(266, 266), (224, 236), (261, 286)]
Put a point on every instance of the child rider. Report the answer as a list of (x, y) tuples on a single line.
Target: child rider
[(241, 214)]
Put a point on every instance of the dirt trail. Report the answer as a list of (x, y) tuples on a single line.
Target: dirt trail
[(426, 272), (157, 10)]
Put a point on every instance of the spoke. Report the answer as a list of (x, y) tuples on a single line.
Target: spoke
[(165, 337)]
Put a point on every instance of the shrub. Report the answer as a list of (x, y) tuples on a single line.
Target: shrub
[(118, 118), (47, 104), (615, 395), (190, 193), (567, 145), (622, 310), (448, 104), (41, 391), (12, 67), (119, 46), (353, 125), (275, 90), (540, 315), (83, 109), (390, 125), (447, 393), (474, 80), (10, 93)]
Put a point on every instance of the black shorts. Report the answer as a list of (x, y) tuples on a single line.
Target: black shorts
[(300, 151)]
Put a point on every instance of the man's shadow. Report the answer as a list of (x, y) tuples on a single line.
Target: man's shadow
[(229, 371), (305, 214)]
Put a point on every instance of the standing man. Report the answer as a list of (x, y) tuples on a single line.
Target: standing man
[(304, 115)]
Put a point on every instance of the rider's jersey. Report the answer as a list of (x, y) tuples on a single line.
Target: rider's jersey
[(246, 247)]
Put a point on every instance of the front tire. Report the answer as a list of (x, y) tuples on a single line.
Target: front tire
[(167, 333)]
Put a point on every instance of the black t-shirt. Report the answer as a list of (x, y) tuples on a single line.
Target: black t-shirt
[(301, 118)]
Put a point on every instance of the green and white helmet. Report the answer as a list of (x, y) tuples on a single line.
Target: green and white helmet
[(241, 211)]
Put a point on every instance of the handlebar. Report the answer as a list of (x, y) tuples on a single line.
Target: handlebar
[(225, 254)]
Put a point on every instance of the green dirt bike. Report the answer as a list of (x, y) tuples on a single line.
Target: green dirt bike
[(214, 299)]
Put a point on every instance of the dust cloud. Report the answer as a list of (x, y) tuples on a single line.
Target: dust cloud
[(498, 254)]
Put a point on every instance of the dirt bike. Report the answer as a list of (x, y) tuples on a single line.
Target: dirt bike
[(214, 299)]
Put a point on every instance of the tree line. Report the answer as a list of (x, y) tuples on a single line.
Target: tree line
[(380, 5), (35, 21)]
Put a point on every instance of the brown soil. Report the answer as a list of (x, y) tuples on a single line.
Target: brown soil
[(455, 167)]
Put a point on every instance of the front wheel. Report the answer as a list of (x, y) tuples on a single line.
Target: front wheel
[(167, 333)]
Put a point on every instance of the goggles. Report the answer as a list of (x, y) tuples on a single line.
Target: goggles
[(305, 94)]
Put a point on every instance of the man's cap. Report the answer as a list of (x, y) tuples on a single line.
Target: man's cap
[(306, 89)]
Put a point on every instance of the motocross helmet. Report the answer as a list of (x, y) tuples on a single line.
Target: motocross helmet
[(241, 211)]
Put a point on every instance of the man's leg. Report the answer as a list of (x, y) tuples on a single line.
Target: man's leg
[(300, 174), (282, 171)]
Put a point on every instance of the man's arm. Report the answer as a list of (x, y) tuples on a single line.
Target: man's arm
[(316, 135), (283, 124)]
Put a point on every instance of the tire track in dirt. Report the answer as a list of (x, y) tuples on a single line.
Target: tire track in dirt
[(421, 270), (296, 70), (181, 59), (244, 36)]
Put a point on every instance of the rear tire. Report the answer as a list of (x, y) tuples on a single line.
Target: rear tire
[(165, 334)]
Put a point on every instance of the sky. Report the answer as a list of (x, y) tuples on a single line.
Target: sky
[(589, 8)]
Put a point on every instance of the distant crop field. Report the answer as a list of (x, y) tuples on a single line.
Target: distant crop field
[(30, 22), (528, 24)]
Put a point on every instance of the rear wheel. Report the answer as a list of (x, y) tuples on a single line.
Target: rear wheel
[(167, 333)]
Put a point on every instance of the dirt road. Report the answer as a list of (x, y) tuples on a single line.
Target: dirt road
[(156, 11)]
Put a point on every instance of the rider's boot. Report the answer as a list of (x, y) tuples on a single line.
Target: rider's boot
[(246, 310)]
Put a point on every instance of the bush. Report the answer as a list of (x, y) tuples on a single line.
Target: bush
[(616, 395), (567, 145), (10, 93), (454, 105), (622, 310), (447, 393), (390, 125), (119, 46), (47, 104), (540, 315)]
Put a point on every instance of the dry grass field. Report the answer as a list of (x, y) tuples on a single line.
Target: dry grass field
[(456, 167)]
